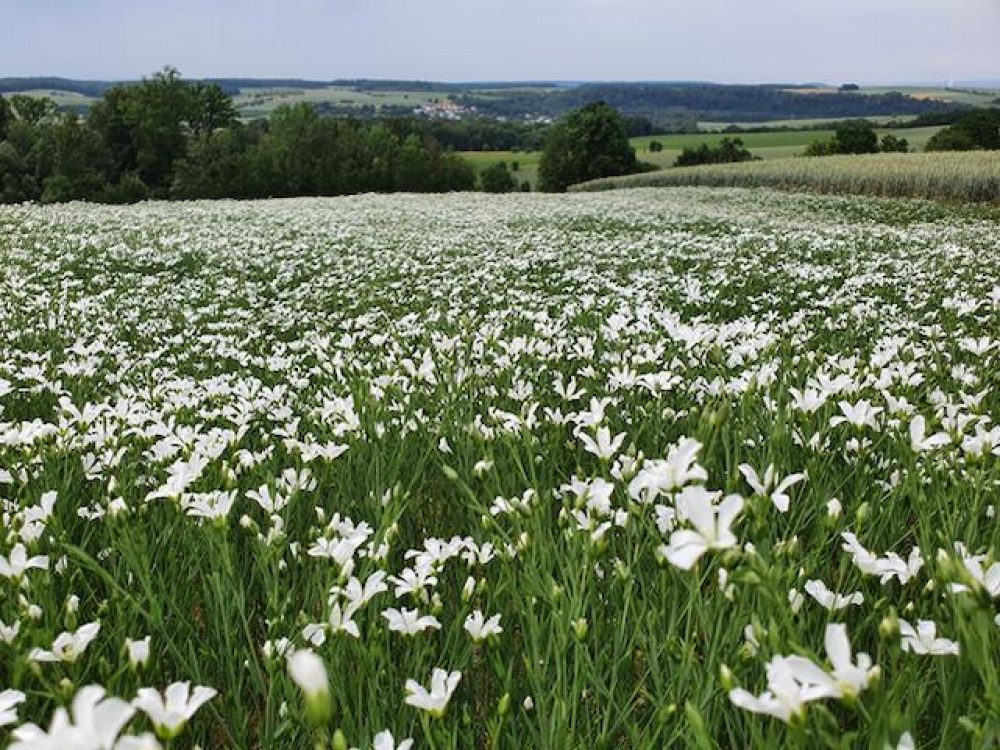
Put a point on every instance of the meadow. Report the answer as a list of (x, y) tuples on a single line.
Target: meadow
[(766, 146), (652, 468), (970, 176)]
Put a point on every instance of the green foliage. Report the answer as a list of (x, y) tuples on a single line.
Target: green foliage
[(728, 150), (893, 144), (167, 138), (32, 109), (856, 138), (17, 182), (5, 117), (587, 144), (979, 129), (655, 147), (496, 178), (74, 159)]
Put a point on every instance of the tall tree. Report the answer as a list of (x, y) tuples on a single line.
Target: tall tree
[(5, 117), (588, 143)]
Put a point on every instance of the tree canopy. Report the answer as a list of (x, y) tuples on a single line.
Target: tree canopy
[(167, 138), (589, 143)]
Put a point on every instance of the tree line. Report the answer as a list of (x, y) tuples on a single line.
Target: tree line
[(168, 138)]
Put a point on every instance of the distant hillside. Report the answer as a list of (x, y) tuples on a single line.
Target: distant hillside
[(679, 104)]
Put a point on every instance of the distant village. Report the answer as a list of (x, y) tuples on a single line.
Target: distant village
[(447, 109)]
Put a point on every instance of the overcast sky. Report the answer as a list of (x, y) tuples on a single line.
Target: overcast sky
[(869, 41)]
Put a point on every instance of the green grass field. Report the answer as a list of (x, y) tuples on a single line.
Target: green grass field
[(527, 163), (768, 146), (796, 124), (261, 102)]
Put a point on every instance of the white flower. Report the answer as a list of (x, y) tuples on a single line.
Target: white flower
[(308, 672), (989, 580), (339, 621), (604, 447), (789, 689), (138, 651), (664, 476), (794, 681), (861, 414), (829, 599), (385, 741), (67, 647), (850, 678), (919, 441), (170, 711), (144, 741), (93, 722), (768, 486), (924, 640), (19, 562), (409, 621), (711, 527), (434, 701), (9, 700), (9, 632), (480, 628)]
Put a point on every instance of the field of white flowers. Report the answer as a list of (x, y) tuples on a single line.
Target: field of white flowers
[(642, 469)]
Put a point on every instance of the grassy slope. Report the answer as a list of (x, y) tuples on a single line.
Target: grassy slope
[(767, 146)]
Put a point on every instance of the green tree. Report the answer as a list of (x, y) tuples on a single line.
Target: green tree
[(496, 178), (6, 115), (951, 139), (655, 147), (728, 150), (980, 129), (17, 180), (32, 109), (216, 166), (587, 144), (211, 108), (144, 126), (856, 137), (73, 159), (892, 143)]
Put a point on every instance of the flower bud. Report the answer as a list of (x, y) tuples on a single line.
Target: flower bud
[(888, 629), (580, 628), (309, 673), (727, 678)]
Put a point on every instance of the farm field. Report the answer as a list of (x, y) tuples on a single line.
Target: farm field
[(797, 123), (527, 163), (651, 468), (767, 146), (955, 176), (262, 102)]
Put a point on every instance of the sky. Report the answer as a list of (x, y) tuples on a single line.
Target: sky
[(731, 41)]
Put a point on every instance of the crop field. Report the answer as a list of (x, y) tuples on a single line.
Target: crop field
[(526, 161), (957, 176), (664, 468), (774, 145), (261, 102)]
